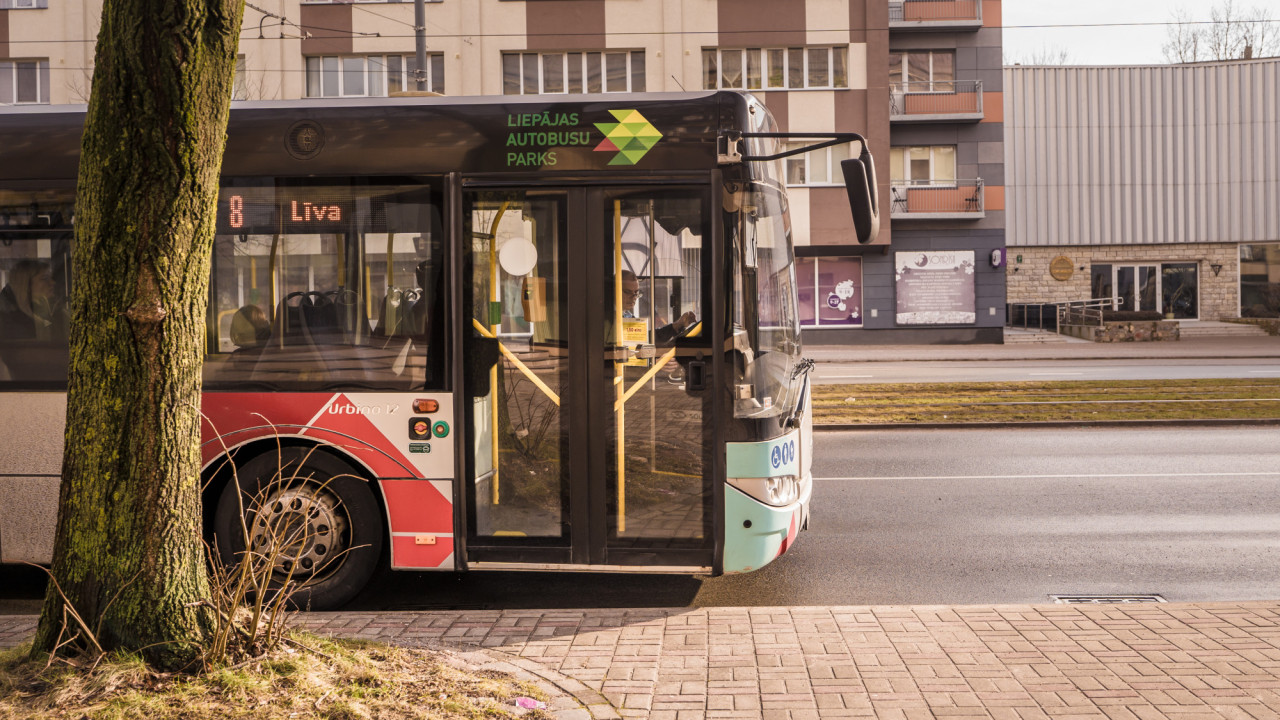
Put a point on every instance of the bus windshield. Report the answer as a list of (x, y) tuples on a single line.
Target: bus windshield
[(764, 300)]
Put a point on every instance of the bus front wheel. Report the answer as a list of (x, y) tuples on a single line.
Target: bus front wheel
[(308, 516)]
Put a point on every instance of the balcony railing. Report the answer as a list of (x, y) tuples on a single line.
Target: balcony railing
[(937, 200), (935, 14), (936, 101)]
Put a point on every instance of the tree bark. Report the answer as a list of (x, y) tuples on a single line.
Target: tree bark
[(128, 552)]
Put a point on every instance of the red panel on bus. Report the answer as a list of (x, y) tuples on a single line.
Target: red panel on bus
[(240, 417), (417, 506), (408, 554)]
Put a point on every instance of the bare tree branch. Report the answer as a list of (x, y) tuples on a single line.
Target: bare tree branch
[(1233, 33)]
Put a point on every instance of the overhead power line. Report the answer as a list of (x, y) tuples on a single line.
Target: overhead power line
[(443, 36)]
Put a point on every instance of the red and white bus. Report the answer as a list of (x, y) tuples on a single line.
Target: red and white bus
[(488, 333)]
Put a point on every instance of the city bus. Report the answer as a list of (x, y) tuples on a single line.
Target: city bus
[(476, 334)]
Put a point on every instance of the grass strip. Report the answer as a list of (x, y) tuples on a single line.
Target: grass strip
[(1048, 401), (339, 680)]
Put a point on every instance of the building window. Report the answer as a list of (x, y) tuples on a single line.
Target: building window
[(1260, 280), (559, 73), (923, 69), (1169, 288), (24, 4), (816, 167), (370, 75), (928, 165), (799, 68), (24, 82), (829, 291)]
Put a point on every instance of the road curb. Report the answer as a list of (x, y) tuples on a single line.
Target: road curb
[(1225, 422), (587, 704)]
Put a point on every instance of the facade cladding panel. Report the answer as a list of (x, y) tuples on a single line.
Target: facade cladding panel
[(1119, 156)]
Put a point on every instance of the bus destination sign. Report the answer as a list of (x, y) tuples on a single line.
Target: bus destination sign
[(270, 212)]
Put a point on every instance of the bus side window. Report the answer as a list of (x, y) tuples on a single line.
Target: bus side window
[(34, 284)]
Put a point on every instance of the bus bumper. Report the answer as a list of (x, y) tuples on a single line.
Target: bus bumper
[(756, 533)]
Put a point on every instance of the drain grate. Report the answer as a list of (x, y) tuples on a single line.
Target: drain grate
[(1105, 599)]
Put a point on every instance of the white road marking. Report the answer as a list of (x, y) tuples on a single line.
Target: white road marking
[(1057, 373), (1054, 477), (842, 377)]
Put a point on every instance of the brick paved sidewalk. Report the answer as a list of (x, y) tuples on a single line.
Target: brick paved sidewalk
[(1219, 660)]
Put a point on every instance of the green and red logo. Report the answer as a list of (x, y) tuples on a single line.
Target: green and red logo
[(631, 137)]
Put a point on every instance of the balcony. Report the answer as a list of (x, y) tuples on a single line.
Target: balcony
[(936, 200), (935, 15), (936, 101)]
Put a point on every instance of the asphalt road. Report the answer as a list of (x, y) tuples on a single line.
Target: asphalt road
[(1021, 370), (1016, 515), (958, 517)]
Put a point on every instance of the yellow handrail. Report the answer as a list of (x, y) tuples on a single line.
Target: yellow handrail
[(493, 372), (537, 381), (657, 365)]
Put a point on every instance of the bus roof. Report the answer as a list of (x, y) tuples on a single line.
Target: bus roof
[(630, 134)]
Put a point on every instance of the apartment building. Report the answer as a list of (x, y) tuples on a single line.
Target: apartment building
[(1152, 187), (920, 78)]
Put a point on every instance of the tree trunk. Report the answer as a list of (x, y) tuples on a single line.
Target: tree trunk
[(128, 552)]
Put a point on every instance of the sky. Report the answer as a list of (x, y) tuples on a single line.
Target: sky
[(1125, 45)]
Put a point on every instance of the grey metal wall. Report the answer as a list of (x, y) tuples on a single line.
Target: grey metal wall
[(1140, 155)]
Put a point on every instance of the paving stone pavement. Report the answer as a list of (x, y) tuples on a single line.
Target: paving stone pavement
[(1110, 662)]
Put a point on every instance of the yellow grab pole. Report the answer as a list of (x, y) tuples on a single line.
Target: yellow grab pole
[(275, 286), (619, 367), (493, 371)]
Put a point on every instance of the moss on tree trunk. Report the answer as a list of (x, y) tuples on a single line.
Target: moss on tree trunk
[(128, 551)]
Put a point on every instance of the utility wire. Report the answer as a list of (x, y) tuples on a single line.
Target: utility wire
[(463, 36)]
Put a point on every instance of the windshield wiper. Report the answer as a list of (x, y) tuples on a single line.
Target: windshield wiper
[(802, 368)]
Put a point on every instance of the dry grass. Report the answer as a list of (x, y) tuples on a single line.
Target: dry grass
[(335, 680), (1075, 401)]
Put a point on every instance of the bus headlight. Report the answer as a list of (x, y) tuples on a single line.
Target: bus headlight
[(777, 491)]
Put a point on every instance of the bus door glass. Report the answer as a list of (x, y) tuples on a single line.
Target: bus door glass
[(656, 383), (516, 359), (587, 376)]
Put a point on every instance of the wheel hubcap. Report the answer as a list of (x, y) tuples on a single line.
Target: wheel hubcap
[(302, 530)]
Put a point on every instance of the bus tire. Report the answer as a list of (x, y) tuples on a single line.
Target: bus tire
[(327, 516)]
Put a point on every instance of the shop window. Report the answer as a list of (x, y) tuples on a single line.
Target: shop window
[(830, 291), (1260, 280), (1180, 290)]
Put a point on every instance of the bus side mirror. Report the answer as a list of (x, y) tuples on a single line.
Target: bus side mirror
[(860, 184)]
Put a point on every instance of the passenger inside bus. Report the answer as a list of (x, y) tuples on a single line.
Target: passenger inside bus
[(29, 309), (250, 327)]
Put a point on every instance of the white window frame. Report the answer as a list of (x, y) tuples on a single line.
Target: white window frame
[(370, 76), (933, 181), (828, 157), (904, 77), (565, 57), (763, 58), (11, 67)]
